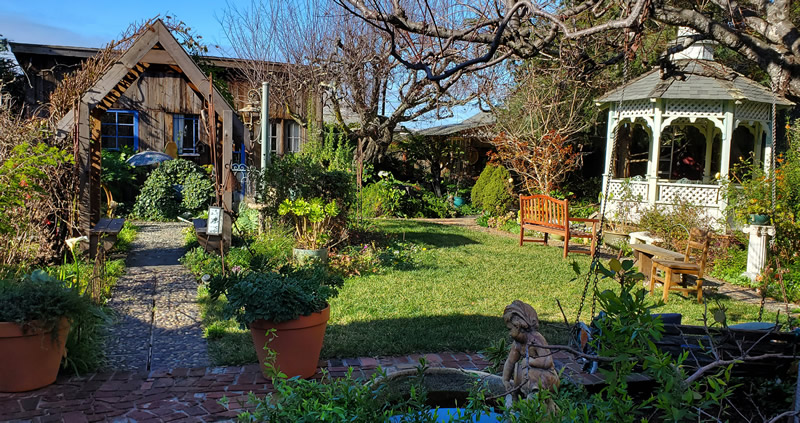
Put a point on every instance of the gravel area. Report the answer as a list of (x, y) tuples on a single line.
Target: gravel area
[(157, 324)]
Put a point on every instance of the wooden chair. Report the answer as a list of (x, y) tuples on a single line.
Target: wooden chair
[(694, 265)]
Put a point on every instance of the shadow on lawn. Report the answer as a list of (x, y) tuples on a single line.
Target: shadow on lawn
[(439, 240), (423, 334)]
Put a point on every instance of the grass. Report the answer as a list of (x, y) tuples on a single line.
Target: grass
[(452, 297)]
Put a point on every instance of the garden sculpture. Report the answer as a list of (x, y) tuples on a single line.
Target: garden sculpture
[(529, 366)]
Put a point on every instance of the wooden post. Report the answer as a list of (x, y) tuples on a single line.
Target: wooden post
[(89, 164), (227, 176)]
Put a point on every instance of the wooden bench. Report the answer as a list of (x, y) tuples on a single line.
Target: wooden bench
[(548, 215), (106, 231), (208, 242)]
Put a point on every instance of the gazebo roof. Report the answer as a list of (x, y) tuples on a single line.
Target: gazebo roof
[(696, 80)]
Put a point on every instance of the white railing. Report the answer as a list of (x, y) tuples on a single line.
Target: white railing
[(696, 194)]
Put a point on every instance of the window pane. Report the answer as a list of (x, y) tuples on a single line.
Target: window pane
[(108, 117), (108, 130), (109, 142), (125, 131), (126, 118), (128, 142)]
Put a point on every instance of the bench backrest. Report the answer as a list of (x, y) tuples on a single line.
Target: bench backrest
[(544, 210)]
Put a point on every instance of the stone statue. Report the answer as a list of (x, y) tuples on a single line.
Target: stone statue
[(529, 366)]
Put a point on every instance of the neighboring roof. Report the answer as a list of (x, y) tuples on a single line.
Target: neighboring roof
[(86, 52), (696, 80), (479, 120)]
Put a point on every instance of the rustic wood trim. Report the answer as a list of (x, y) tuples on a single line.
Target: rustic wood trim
[(227, 176)]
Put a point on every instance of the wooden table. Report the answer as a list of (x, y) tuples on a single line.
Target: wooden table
[(645, 253)]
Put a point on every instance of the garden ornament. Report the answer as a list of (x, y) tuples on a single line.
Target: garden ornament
[(529, 366)]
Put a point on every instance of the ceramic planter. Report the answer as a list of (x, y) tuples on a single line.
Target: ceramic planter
[(30, 359), (458, 201), (302, 255), (297, 342), (758, 219)]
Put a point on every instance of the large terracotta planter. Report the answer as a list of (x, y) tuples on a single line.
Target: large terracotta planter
[(297, 342), (30, 360)]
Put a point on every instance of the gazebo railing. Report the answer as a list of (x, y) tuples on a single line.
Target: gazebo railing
[(698, 194)]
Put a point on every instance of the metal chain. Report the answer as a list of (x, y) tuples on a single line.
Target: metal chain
[(592, 275), (772, 174)]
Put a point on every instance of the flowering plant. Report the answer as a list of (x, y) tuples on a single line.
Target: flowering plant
[(750, 191)]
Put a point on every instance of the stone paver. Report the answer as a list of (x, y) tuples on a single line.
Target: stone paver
[(181, 394), (158, 322)]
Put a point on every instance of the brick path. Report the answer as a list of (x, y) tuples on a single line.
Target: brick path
[(181, 394)]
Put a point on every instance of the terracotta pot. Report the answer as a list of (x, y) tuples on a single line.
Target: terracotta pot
[(30, 360), (297, 342)]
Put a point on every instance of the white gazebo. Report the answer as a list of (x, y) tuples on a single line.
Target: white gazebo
[(681, 129)]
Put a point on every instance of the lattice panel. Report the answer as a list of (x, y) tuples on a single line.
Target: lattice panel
[(638, 190), (750, 110), (697, 195), (694, 108), (636, 108)]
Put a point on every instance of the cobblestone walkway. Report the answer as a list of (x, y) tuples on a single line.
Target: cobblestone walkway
[(181, 394), (157, 320)]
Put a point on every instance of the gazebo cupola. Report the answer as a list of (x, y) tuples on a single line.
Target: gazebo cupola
[(680, 126)]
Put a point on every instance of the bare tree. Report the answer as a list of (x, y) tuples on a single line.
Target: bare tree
[(762, 31), (370, 92)]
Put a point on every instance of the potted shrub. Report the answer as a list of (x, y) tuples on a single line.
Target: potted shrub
[(34, 322), (286, 310), (311, 221)]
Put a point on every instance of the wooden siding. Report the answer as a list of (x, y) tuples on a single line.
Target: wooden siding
[(157, 95)]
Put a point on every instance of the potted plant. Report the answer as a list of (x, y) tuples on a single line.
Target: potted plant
[(286, 310), (34, 322), (749, 194), (311, 221)]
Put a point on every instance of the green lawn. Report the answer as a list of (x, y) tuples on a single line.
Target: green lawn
[(453, 297)]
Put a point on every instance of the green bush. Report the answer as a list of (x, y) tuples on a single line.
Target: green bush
[(294, 176), (492, 192), (390, 197), (175, 187), (121, 179), (276, 296)]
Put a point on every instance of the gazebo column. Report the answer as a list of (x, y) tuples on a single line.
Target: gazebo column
[(610, 130), (653, 157), (727, 136), (709, 133), (758, 135)]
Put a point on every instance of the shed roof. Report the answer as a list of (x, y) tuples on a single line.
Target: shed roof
[(478, 120), (696, 80)]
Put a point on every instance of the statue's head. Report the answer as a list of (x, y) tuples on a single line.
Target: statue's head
[(520, 317)]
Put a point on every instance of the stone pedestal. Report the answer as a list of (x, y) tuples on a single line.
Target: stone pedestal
[(757, 248)]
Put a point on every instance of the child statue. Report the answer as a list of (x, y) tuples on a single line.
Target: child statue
[(529, 366)]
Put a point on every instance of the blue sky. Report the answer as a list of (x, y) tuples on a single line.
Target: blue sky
[(88, 23)]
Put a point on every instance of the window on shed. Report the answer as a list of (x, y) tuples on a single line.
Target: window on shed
[(185, 133), (120, 128), (293, 137)]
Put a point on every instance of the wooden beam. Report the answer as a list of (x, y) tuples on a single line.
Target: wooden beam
[(84, 168), (160, 57), (228, 179)]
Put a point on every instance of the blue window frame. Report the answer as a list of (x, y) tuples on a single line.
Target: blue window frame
[(120, 128), (185, 134)]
